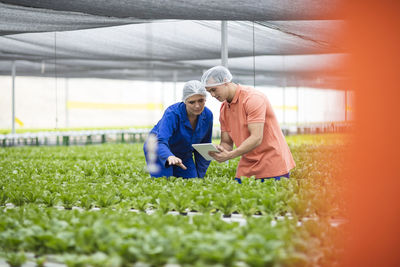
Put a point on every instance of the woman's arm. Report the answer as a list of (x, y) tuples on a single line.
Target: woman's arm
[(167, 126), (201, 163)]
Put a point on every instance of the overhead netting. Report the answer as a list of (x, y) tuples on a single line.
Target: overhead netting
[(288, 44)]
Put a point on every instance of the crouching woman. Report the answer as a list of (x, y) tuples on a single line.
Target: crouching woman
[(182, 124)]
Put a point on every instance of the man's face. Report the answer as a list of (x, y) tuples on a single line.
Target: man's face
[(220, 92)]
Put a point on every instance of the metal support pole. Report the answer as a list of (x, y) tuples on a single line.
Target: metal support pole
[(13, 98), (162, 96), (284, 105), (66, 103), (175, 79), (224, 43)]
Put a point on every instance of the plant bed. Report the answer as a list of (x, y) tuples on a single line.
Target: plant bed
[(114, 204)]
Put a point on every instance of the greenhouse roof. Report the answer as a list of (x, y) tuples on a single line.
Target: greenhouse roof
[(290, 43)]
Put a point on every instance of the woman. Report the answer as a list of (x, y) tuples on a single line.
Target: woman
[(183, 124)]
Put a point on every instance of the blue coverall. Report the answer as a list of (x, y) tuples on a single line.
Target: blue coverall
[(175, 138)]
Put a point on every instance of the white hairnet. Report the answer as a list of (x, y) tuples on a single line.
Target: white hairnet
[(193, 88), (216, 76)]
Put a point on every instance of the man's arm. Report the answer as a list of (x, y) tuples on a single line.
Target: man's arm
[(254, 140), (226, 141)]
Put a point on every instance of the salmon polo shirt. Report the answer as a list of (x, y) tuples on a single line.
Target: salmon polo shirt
[(272, 157)]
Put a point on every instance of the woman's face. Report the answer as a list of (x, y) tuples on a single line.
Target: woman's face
[(195, 104)]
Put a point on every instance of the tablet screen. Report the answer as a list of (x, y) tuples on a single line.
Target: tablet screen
[(203, 149)]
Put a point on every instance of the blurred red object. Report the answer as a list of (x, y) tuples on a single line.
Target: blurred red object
[(374, 39)]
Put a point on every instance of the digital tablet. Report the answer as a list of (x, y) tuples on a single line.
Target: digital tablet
[(203, 149)]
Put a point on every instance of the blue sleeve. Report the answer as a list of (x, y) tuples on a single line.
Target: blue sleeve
[(201, 163), (167, 126)]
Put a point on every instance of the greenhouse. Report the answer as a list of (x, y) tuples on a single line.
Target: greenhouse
[(103, 103)]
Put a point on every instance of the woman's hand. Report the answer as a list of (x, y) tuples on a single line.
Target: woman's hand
[(172, 160)]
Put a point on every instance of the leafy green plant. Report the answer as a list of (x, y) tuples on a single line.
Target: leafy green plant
[(225, 204), (49, 199), (3, 198), (100, 259), (299, 206), (15, 259), (40, 261), (31, 196), (180, 202), (106, 200), (16, 198), (129, 251), (162, 204), (247, 207), (141, 203), (73, 260), (86, 202), (68, 200), (270, 206), (203, 204)]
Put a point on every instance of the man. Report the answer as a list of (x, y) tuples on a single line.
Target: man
[(248, 121)]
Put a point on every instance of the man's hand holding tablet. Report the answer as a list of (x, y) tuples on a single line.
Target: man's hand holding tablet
[(222, 155), (205, 150)]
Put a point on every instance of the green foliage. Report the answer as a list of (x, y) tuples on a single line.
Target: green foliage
[(226, 204), (248, 207), (68, 200), (203, 204), (40, 261), (3, 197), (36, 180), (163, 204), (15, 259), (49, 199)]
